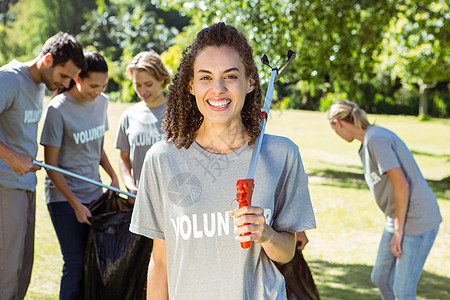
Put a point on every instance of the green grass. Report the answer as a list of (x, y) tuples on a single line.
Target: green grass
[(342, 249)]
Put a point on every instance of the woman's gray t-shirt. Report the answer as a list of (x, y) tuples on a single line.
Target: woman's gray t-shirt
[(139, 129), (381, 151), (77, 128), (184, 198)]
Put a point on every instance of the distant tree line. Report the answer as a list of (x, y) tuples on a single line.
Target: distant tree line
[(388, 56)]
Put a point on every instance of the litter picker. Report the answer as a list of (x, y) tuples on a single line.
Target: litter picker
[(71, 174), (245, 186)]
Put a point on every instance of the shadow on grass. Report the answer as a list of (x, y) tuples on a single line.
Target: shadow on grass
[(352, 281), (342, 179), (441, 187), (351, 180), (430, 154)]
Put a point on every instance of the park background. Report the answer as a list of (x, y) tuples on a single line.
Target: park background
[(391, 57)]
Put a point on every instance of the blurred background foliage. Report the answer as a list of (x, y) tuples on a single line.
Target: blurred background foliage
[(389, 56)]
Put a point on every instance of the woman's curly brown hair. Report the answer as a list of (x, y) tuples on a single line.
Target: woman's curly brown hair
[(182, 116)]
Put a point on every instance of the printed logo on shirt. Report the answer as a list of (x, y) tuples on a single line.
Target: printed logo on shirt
[(144, 139), (373, 178), (32, 116), (213, 166), (207, 225), (85, 136), (184, 189)]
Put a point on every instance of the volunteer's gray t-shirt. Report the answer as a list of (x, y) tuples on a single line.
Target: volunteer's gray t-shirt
[(21, 101), (139, 129), (184, 198), (77, 128), (381, 151)]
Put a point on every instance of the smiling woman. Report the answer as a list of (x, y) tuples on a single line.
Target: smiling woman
[(140, 124), (72, 137), (189, 180), (220, 88)]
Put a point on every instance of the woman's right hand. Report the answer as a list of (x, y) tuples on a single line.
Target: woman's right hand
[(83, 213), (134, 191), (302, 240)]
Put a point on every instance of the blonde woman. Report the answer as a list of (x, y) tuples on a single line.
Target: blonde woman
[(402, 193), (140, 124)]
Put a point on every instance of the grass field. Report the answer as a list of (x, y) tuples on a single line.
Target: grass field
[(342, 249)]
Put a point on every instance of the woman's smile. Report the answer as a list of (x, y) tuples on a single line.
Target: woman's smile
[(219, 104), (220, 85)]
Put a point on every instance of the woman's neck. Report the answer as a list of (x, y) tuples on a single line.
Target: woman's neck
[(359, 134), (221, 139), (157, 102), (76, 93)]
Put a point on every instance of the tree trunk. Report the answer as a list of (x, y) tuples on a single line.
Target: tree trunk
[(423, 103)]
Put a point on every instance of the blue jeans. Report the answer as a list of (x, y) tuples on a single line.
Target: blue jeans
[(72, 236), (398, 278)]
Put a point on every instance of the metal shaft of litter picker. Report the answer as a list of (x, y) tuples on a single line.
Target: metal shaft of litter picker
[(74, 175), (245, 186)]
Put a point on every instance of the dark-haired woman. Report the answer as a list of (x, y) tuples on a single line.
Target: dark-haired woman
[(73, 132), (189, 181)]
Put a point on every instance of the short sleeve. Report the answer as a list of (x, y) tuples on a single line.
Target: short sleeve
[(52, 132), (293, 208), (382, 150), (122, 142), (106, 111), (9, 85), (148, 212)]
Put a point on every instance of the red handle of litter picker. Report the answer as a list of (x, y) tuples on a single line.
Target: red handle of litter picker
[(244, 195)]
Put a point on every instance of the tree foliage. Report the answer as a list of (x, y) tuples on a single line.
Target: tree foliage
[(121, 29), (20, 37), (29, 23), (415, 47), (66, 16), (334, 40), (367, 51), (342, 46)]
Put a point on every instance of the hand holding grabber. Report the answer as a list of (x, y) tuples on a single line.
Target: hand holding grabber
[(245, 187)]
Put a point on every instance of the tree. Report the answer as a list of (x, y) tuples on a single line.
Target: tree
[(416, 46), (6, 4), (29, 23), (22, 36), (66, 16), (335, 41), (120, 29)]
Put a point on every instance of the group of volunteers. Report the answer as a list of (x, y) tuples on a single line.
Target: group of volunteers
[(182, 152)]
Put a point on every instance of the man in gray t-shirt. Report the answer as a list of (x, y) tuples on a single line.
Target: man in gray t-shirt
[(22, 86)]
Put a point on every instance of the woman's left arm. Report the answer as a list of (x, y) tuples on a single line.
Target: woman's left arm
[(279, 246), (401, 195), (104, 162)]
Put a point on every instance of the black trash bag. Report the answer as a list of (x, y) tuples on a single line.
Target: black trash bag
[(299, 281), (116, 260)]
